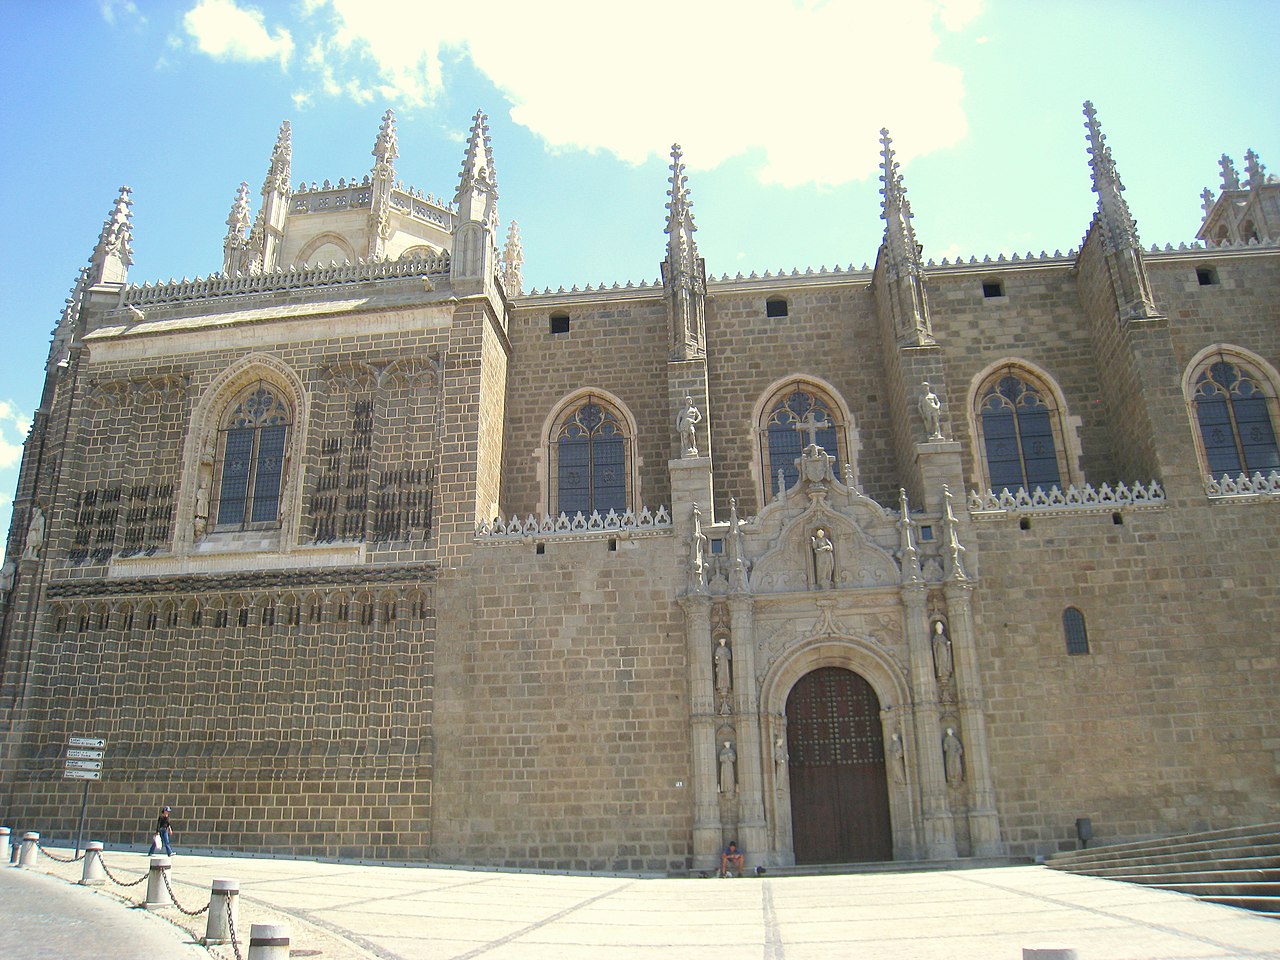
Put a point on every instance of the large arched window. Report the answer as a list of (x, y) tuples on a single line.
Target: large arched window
[(794, 414), (1235, 410), (1021, 432), (590, 456), (252, 439)]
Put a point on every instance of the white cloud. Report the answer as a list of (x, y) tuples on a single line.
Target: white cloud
[(803, 84), (13, 430), (225, 31), (115, 11)]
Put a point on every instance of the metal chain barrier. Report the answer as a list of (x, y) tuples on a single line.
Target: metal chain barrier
[(168, 886), (54, 857), (231, 926), (113, 879)]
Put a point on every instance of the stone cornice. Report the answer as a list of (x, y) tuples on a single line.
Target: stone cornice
[(351, 577)]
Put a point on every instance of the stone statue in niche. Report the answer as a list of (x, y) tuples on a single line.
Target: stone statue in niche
[(6, 580), (931, 412), (953, 756), (898, 758), (943, 663), (686, 425), (780, 758), (824, 560), (35, 534), (200, 521), (698, 550), (728, 758), (723, 660)]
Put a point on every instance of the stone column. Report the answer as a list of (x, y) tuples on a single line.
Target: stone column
[(984, 822), (702, 720), (939, 829), (753, 833)]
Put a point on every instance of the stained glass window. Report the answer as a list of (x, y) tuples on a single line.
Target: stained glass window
[(591, 450), (783, 442), (1018, 433), (252, 448), (1234, 415)]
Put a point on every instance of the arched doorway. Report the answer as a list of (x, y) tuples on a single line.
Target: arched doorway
[(839, 796)]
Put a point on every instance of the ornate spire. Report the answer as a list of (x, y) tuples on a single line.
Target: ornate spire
[(1230, 178), (384, 148), (1254, 169), (908, 554), (683, 272), (955, 551), (682, 249), (477, 194), (738, 572), (236, 242), (903, 262), (281, 161), (1206, 201), (113, 254), (1119, 230), (512, 264)]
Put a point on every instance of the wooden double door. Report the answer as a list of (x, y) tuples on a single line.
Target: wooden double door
[(839, 795)]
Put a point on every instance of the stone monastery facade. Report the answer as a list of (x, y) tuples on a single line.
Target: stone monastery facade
[(355, 548)]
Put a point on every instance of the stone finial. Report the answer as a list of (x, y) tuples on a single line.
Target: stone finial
[(903, 260), (113, 254), (238, 221), (1119, 230), (478, 181), (1254, 169), (682, 249), (1206, 202), (1230, 178), (277, 180), (512, 265), (384, 147), (909, 556), (955, 551)]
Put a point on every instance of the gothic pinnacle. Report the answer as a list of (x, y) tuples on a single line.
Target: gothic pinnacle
[(385, 147), (1254, 169), (478, 173), (238, 221), (1119, 230), (281, 160), (682, 249), (513, 262), (113, 253)]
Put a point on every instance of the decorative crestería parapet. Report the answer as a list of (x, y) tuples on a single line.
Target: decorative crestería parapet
[(578, 527), (1244, 486), (1075, 499), (299, 278)]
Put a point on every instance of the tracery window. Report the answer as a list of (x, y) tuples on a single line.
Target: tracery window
[(251, 453), (1075, 632), (1235, 411), (1021, 431), (590, 454), (782, 439)]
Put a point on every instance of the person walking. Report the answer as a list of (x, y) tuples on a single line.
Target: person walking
[(164, 833)]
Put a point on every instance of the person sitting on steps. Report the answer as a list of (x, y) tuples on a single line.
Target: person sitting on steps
[(732, 857)]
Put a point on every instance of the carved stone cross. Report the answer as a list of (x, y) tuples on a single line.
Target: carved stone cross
[(811, 426)]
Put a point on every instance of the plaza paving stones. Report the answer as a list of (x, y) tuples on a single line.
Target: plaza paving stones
[(345, 911)]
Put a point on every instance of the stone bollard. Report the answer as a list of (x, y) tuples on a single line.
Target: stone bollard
[(1048, 953), (224, 911), (269, 941), (30, 850), (157, 893), (93, 870), (4, 844)]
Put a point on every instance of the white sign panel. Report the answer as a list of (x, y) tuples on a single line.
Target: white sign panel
[(82, 774), (86, 742), (84, 754), (84, 764)]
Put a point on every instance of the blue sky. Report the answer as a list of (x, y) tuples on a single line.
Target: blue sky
[(777, 104)]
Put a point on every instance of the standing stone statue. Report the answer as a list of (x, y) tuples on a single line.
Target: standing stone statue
[(728, 757), (780, 757), (953, 756), (697, 550), (200, 522), (824, 560), (898, 758), (6, 580), (35, 534), (943, 663), (931, 412), (723, 657), (686, 426)]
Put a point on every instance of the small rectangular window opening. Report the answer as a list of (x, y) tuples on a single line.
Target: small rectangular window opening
[(1206, 276), (540, 549), (1024, 523), (992, 289), (926, 532), (717, 545), (613, 546), (559, 323), (775, 307), (1118, 518)]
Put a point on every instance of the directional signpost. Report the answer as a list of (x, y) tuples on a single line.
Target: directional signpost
[(84, 762)]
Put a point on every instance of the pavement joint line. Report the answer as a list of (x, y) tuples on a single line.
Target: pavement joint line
[(773, 949), (529, 928), (1162, 928), (402, 895)]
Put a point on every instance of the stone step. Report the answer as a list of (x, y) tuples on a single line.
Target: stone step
[(1266, 905), (1169, 877), (891, 866), (1261, 855), (1264, 834)]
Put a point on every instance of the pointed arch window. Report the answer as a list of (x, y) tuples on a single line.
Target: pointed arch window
[(1021, 433), (251, 448), (781, 440), (1075, 632), (590, 453), (1235, 411)]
